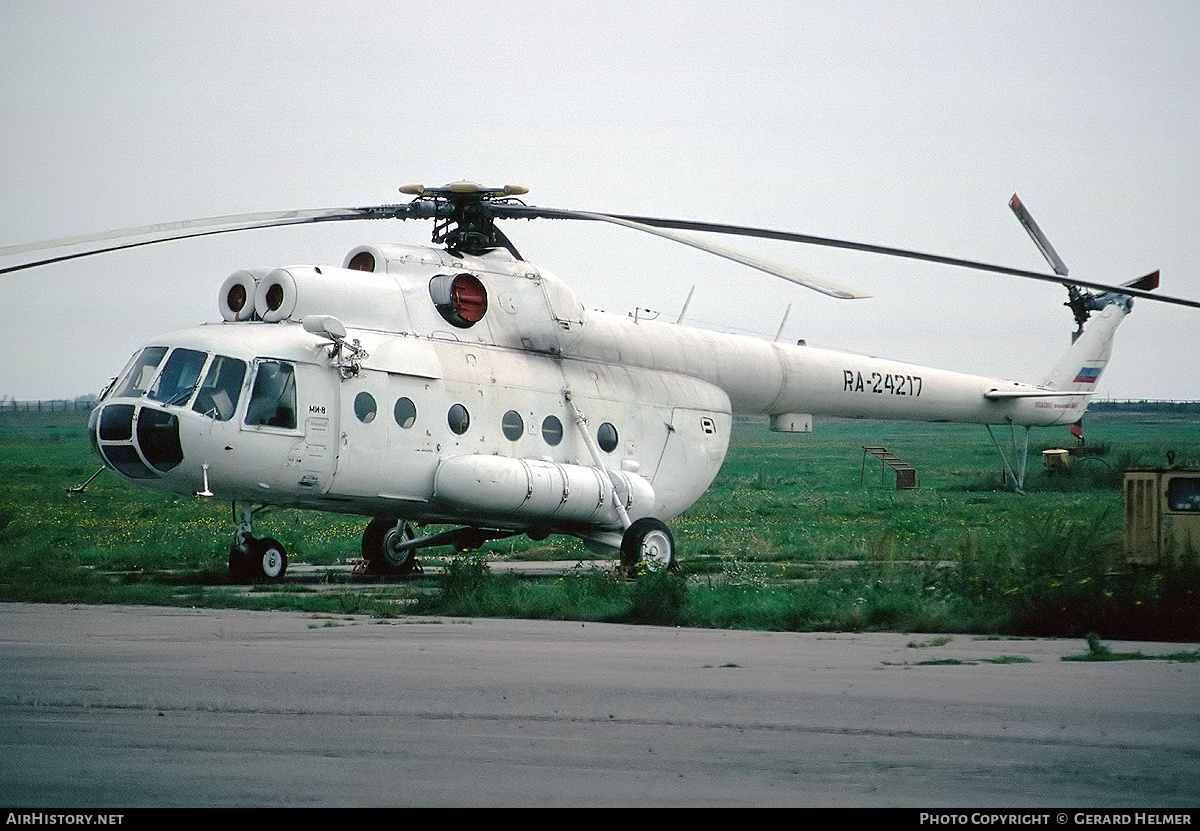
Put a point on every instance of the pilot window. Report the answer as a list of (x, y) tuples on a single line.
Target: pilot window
[(179, 377), (273, 399), (218, 396), (137, 381)]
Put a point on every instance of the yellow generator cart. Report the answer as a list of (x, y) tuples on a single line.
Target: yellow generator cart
[(1162, 515)]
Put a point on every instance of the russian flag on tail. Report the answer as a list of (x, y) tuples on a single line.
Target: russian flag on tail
[(1087, 375)]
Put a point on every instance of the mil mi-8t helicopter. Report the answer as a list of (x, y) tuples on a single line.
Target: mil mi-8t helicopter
[(460, 385)]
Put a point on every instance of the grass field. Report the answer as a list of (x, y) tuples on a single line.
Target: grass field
[(786, 538)]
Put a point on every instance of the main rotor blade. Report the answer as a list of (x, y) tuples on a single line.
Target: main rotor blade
[(786, 272), (188, 229), (433, 209), (789, 236)]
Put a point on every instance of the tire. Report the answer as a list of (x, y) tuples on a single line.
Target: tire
[(378, 549), (648, 542), (267, 560), (239, 565)]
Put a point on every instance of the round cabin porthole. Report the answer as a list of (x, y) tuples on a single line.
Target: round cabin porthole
[(512, 425), (459, 419), (552, 430), (364, 407), (606, 437), (405, 412)]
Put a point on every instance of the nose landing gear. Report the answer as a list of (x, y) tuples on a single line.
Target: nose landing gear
[(253, 560), (264, 561)]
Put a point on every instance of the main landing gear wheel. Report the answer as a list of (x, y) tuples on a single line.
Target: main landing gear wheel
[(647, 543), (263, 561), (379, 547)]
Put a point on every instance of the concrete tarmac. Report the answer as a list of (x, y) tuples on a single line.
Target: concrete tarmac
[(119, 707)]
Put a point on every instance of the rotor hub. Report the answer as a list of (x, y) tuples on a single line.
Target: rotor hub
[(461, 217)]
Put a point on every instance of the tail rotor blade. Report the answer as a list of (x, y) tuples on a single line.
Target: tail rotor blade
[(1147, 283), (1039, 238)]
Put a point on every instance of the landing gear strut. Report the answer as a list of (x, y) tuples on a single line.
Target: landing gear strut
[(254, 560), (647, 542)]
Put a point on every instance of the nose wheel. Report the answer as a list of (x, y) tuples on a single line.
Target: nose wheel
[(254, 560), (262, 561)]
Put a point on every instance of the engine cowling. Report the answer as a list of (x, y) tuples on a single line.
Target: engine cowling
[(359, 299)]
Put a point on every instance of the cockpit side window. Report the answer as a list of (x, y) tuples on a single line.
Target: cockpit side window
[(218, 396), (138, 379), (273, 400), (179, 376)]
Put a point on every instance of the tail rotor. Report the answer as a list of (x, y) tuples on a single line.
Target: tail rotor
[(1080, 301)]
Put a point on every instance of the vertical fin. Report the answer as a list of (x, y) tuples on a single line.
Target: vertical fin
[(1080, 367)]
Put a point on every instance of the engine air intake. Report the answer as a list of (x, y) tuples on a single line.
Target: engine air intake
[(459, 298)]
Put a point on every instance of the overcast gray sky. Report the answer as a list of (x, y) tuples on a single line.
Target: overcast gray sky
[(905, 124)]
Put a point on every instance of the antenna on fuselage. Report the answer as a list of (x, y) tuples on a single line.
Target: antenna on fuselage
[(686, 303), (783, 322)]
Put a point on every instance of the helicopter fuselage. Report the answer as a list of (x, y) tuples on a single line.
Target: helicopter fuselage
[(413, 382)]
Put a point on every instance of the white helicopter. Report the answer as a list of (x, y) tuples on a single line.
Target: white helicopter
[(460, 385)]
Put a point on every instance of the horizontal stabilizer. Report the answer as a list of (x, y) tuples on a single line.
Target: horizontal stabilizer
[(1002, 394)]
